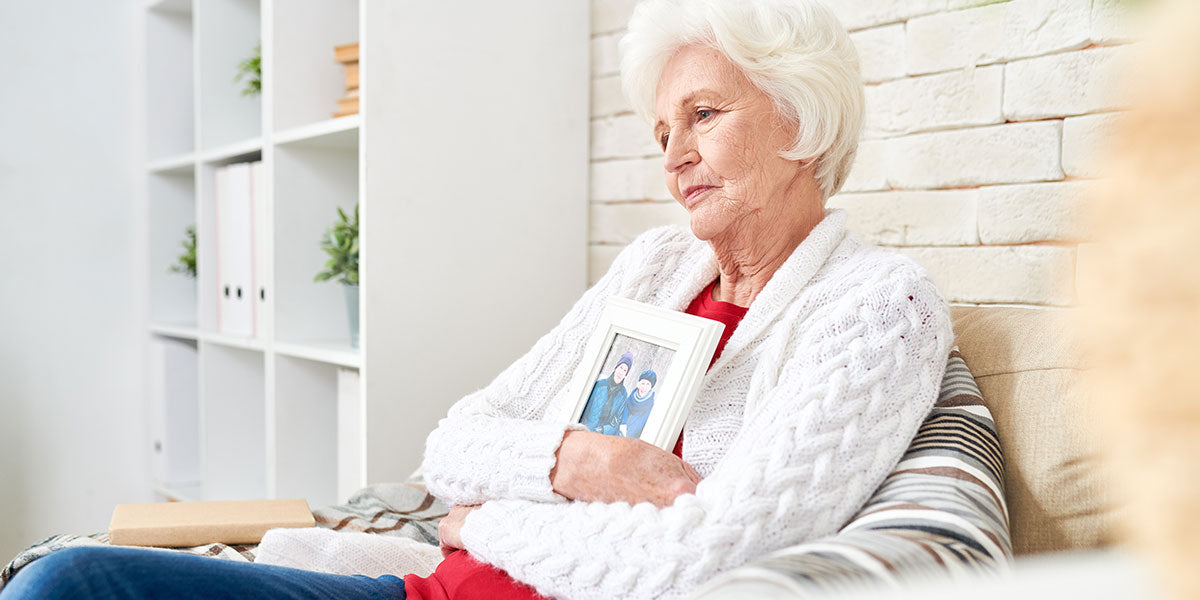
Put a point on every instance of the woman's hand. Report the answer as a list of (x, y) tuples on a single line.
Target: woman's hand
[(593, 467), (450, 527)]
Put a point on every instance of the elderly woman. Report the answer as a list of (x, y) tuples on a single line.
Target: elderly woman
[(832, 355)]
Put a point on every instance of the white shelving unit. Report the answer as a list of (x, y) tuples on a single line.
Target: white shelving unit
[(468, 162)]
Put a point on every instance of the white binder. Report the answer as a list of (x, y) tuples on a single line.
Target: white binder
[(258, 198), (235, 243)]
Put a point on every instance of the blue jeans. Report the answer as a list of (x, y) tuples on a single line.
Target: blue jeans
[(109, 572)]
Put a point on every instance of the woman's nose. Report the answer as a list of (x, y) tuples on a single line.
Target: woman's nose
[(680, 153)]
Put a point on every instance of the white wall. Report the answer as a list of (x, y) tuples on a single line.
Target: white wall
[(981, 118), (72, 433)]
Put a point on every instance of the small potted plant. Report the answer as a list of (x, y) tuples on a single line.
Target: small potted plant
[(251, 70), (340, 242), (186, 263)]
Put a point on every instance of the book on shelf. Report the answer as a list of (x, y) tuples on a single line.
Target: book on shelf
[(237, 199), (182, 524), (348, 104), (348, 56), (346, 53)]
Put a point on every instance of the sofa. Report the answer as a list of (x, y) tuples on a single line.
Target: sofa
[(1028, 367)]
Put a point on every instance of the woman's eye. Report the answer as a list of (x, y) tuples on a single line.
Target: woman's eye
[(704, 113), (663, 141)]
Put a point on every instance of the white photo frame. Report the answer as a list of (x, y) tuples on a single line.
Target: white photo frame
[(682, 345)]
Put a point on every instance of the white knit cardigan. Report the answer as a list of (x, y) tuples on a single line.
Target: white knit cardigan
[(812, 402)]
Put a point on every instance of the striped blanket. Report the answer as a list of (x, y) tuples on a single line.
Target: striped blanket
[(940, 512)]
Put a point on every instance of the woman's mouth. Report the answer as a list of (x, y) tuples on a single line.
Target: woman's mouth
[(692, 194)]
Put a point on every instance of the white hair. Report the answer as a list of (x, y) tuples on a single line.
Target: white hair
[(795, 51)]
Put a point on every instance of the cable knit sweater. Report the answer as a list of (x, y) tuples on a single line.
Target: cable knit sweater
[(812, 402)]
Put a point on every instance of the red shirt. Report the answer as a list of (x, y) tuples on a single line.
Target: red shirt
[(461, 577)]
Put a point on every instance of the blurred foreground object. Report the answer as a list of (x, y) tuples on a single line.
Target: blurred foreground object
[(1144, 312)]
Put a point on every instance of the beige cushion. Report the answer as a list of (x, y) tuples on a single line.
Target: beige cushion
[(1028, 365)]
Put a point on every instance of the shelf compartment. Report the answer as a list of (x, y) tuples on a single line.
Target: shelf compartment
[(179, 332), (170, 91), (179, 493), (227, 32), (170, 6), (329, 353), (240, 151), (172, 208), (311, 181), (174, 409), (309, 461), (232, 341), (306, 80), (183, 164), (341, 132), (233, 423)]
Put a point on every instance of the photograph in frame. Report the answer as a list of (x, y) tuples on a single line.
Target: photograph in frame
[(641, 370), (622, 399)]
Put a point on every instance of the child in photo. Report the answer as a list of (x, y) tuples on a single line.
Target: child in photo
[(606, 404), (639, 404)]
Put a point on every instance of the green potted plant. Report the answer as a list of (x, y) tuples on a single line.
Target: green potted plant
[(186, 263), (251, 70), (340, 242)]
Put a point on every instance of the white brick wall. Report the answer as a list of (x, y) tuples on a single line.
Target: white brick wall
[(1013, 152), (984, 119), (1058, 85)]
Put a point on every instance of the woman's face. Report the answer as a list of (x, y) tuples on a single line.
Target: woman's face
[(620, 372), (722, 137)]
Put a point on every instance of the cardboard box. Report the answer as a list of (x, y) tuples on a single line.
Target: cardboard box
[(179, 524)]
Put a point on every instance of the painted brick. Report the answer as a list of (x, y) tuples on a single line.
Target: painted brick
[(1073, 83), (995, 33), (1001, 274), (623, 180), (1115, 21), (611, 15), (607, 97), (880, 52), (1010, 153), (606, 59), (620, 223), (869, 173), (1085, 141), (912, 218), (1036, 212), (954, 99), (624, 136), (860, 14), (600, 258)]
